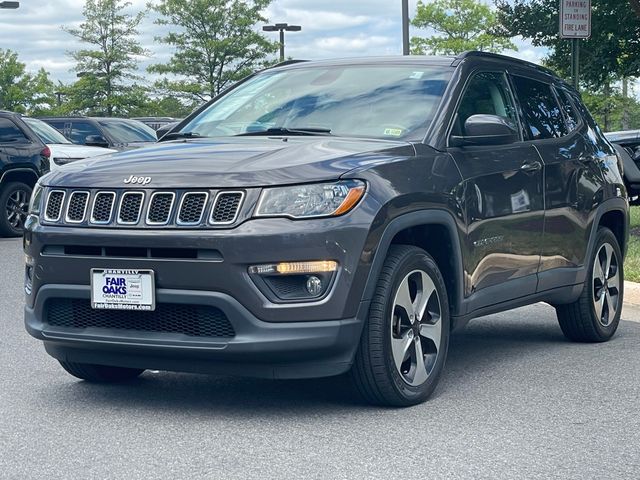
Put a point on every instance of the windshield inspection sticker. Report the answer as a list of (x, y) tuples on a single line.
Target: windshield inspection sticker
[(394, 132), (416, 75)]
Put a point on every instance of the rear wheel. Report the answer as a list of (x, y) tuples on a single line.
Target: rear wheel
[(405, 339), (595, 316), (101, 373), (14, 208)]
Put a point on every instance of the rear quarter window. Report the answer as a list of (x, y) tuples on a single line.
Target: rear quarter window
[(11, 133), (541, 113)]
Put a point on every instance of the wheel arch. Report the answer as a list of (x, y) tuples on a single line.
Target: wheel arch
[(24, 175), (435, 231)]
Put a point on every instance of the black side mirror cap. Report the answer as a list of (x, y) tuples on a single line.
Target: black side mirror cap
[(96, 141), (483, 129)]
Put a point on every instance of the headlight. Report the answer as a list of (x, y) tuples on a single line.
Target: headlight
[(311, 201), (35, 204)]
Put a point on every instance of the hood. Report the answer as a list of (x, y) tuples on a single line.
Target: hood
[(232, 162)]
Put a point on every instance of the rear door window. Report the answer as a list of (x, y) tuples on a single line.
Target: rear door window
[(541, 113), (10, 133), (81, 130)]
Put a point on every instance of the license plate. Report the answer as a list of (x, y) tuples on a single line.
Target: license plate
[(122, 289)]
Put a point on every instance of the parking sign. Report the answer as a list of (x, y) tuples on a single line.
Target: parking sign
[(575, 18)]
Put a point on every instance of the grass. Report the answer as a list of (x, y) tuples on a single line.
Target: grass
[(632, 262)]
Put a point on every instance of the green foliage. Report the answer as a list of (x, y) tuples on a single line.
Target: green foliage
[(612, 52), (608, 110), (215, 44), (109, 60), (19, 90), (459, 25)]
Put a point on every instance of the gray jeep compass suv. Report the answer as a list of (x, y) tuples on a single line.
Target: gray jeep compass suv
[(329, 217)]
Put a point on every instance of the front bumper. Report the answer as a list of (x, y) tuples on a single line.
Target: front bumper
[(281, 340), (296, 349)]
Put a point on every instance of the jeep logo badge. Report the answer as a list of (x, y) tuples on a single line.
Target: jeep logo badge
[(133, 180)]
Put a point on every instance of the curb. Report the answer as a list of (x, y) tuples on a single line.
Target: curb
[(632, 293)]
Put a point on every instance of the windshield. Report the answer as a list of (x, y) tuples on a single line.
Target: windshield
[(123, 131), (44, 131), (364, 101)]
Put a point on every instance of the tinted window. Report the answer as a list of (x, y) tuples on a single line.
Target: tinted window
[(487, 93), (128, 132), (569, 110), (44, 131), (55, 124), (389, 101), (10, 133), (542, 115), (81, 130)]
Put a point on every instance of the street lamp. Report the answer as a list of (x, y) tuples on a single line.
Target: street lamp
[(11, 5), (405, 27), (281, 27)]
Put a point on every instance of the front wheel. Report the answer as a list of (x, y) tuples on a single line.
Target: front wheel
[(404, 344), (595, 316), (14, 208)]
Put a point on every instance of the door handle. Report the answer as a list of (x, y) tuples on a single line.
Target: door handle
[(531, 167)]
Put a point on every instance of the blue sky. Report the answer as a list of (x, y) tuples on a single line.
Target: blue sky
[(331, 28)]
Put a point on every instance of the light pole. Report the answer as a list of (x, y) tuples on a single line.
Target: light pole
[(10, 5), (405, 27), (281, 27)]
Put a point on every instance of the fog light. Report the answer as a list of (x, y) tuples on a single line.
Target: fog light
[(314, 286)]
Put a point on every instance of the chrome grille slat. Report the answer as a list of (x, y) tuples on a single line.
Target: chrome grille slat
[(130, 208), (192, 207), (160, 208), (226, 207), (102, 209), (77, 207), (55, 200)]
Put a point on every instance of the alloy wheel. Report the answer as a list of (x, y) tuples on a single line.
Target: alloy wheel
[(606, 284), (416, 327), (17, 208)]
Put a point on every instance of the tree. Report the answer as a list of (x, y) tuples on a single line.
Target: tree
[(610, 54), (459, 25), (215, 44), (19, 90), (111, 59)]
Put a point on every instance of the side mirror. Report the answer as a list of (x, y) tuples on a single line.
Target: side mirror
[(96, 141), (485, 129)]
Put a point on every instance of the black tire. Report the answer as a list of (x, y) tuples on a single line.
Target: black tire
[(580, 321), (101, 373), (14, 204), (374, 372)]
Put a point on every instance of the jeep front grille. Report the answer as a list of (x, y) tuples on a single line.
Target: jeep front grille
[(141, 208)]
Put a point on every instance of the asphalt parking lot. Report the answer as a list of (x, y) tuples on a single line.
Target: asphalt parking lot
[(516, 401)]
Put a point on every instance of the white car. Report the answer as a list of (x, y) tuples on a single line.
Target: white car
[(62, 150)]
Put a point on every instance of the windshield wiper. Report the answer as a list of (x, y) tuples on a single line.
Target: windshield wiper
[(288, 131), (176, 135)]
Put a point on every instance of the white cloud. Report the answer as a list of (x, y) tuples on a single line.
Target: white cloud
[(331, 28)]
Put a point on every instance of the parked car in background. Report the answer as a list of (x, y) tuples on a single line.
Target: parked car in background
[(62, 150), (628, 145), (23, 159), (116, 133), (157, 122), (162, 131)]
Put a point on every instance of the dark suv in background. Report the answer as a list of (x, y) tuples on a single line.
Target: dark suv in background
[(331, 217), (23, 159), (117, 133)]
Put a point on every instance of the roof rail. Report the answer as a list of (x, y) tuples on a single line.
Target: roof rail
[(285, 63), (476, 53)]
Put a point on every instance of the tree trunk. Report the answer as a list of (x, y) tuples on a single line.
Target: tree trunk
[(635, 4), (607, 108), (625, 104)]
